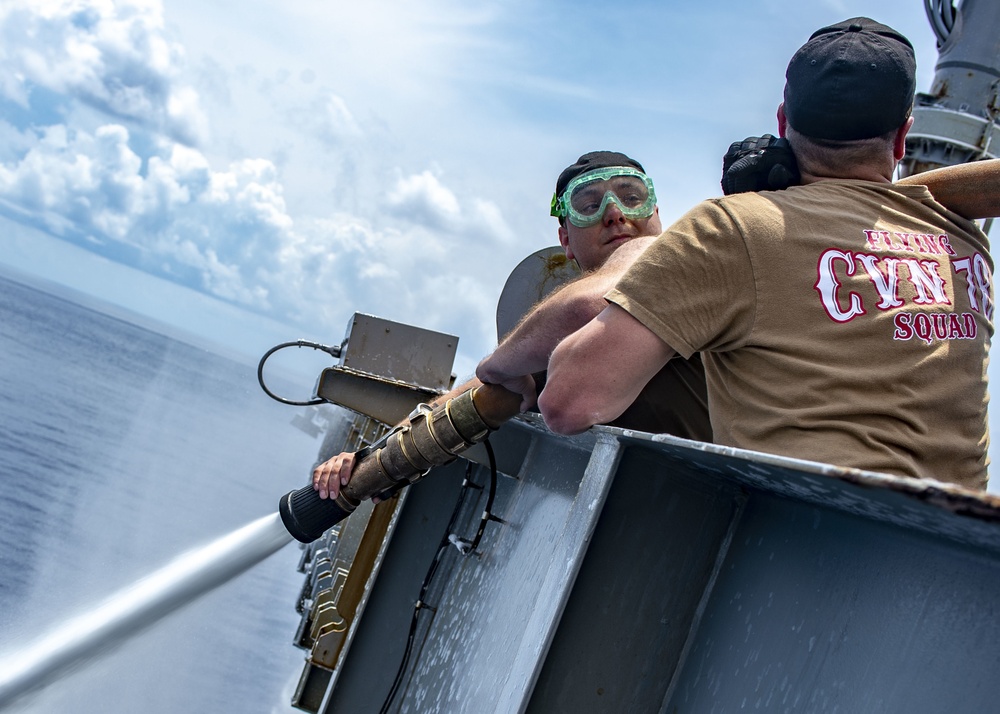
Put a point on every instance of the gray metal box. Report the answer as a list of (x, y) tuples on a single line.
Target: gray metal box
[(401, 352)]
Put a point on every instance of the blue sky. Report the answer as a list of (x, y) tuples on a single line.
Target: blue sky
[(305, 160), (259, 171)]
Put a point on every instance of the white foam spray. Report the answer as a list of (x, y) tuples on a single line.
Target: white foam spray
[(140, 605)]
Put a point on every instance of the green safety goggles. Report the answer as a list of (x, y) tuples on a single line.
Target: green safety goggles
[(586, 198)]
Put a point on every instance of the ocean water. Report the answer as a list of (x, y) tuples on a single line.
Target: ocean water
[(120, 449)]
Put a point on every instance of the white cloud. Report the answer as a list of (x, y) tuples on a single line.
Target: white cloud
[(229, 233), (364, 235), (181, 215), (422, 198), (86, 181), (335, 119), (351, 209), (489, 220), (438, 268), (111, 55)]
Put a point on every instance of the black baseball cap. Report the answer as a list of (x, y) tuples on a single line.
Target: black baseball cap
[(852, 80), (591, 161)]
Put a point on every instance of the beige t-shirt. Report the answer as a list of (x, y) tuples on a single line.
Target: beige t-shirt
[(844, 321)]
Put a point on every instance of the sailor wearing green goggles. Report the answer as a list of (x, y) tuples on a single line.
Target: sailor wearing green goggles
[(602, 201), (587, 197)]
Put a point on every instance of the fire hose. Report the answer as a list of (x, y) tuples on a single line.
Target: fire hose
[(432, 438)]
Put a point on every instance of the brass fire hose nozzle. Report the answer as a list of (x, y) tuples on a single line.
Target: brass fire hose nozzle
[(432, 438)]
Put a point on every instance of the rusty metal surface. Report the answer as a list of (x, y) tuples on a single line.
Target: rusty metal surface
[(957, 120), (534, 278)]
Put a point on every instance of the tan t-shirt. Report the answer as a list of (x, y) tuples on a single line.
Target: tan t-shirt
[(844, 321)]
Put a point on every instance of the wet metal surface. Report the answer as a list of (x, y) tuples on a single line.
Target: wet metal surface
[(642, 573), (817, 610), (932, 507), (493, 623)]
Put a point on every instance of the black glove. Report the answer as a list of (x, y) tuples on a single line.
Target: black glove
[(761, 163)]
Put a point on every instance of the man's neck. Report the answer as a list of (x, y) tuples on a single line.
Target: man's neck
[(863, 172)]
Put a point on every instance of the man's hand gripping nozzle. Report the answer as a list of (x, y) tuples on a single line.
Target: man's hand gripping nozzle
[(432, 438)]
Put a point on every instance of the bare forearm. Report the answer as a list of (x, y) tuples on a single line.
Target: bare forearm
[(599, 370), (971, 190), (527, 348), (460, 389)]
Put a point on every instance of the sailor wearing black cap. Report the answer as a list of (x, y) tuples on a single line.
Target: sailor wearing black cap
[(846, 320), (853, 80)]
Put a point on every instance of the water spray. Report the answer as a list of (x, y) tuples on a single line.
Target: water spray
[(140, 605), (434, 437)]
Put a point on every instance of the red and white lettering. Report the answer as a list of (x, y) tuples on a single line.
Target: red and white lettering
[(827, 285), (978, 283), (874, 237), (935, 326), (971, 331), (927, 243), (916, 240), (924, 276), (903, 329), (922, 325), (885, 282), (984, 282), (964, 266)]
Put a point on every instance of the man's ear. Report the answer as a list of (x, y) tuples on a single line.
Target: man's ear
[(564, 242), (899, 142), (782, 121)]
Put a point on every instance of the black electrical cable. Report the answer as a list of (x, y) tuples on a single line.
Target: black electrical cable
[(467, 549), (413, 627), (488, 511), (332, 351), (442, 547)]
